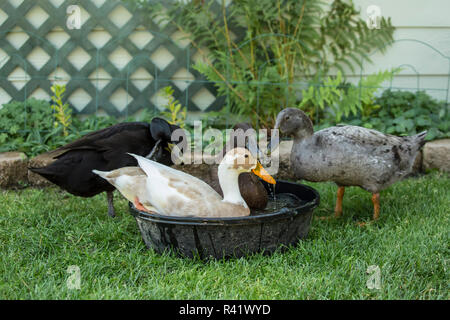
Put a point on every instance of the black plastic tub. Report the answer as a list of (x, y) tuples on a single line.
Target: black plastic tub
[(233, 237)]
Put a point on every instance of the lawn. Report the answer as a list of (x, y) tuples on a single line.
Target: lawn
[(44, 231)]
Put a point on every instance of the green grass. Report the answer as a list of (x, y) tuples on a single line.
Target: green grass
[(43, 232)]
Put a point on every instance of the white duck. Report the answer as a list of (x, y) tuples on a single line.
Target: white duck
[(156, 187), (132, 183)]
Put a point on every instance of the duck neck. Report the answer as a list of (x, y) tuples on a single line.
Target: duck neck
[(305, 131), (229, 182), (302, 135)]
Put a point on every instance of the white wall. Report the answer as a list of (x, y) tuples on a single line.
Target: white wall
[(424, 21)]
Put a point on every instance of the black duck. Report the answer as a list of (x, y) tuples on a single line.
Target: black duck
[(106, 150)]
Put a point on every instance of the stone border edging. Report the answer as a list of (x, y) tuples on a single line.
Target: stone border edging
[(14, 165)]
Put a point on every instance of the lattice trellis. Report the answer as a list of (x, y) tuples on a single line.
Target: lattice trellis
[(111, 64)]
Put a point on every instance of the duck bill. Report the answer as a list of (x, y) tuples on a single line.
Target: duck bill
[(263, 174)]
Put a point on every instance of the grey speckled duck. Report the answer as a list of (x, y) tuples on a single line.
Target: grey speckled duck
[(348, 155)]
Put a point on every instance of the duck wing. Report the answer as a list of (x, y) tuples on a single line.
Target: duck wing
[(131, 183), (357, 156), (353, 141), (359, 136), (174, 192), (118, 139), (72, 172), (104, 150), (374, 142)]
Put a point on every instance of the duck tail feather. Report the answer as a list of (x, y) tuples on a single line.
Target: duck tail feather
[(48, 174), (36, 170), (43, 171), (145, 164), (420, 138)]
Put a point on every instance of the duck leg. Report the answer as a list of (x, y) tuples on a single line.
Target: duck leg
[(340, 197), (338, 208), (376, 209), (110, 198), (376, 205)]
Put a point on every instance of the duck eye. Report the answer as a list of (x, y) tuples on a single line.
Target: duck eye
[(246, 155), (288, 117)]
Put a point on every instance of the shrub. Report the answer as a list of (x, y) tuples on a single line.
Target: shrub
[(406, 113), (277, 44), (342, 99), (29, 127)]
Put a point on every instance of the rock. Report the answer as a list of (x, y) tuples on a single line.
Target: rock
[(436, 155), (40, 161), (201, 171), (13, 169)]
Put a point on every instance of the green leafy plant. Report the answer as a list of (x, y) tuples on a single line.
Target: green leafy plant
[(406, 113), (343, 99), (256, 51), (28, 126), (63, 113), (174, 112)]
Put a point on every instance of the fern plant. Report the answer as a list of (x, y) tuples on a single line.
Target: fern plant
[(63, 113), (343, 99)]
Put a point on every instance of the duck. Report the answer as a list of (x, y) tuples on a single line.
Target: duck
[(252, 190), (348, 155), (131, 183), (107, 149), (175, 193)]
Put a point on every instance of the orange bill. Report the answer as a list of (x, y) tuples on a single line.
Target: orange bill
[(263, 174)]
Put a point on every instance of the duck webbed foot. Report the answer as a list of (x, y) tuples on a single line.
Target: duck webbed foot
[(376, 210), (339, 199), (110, 198), (139, 205)]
